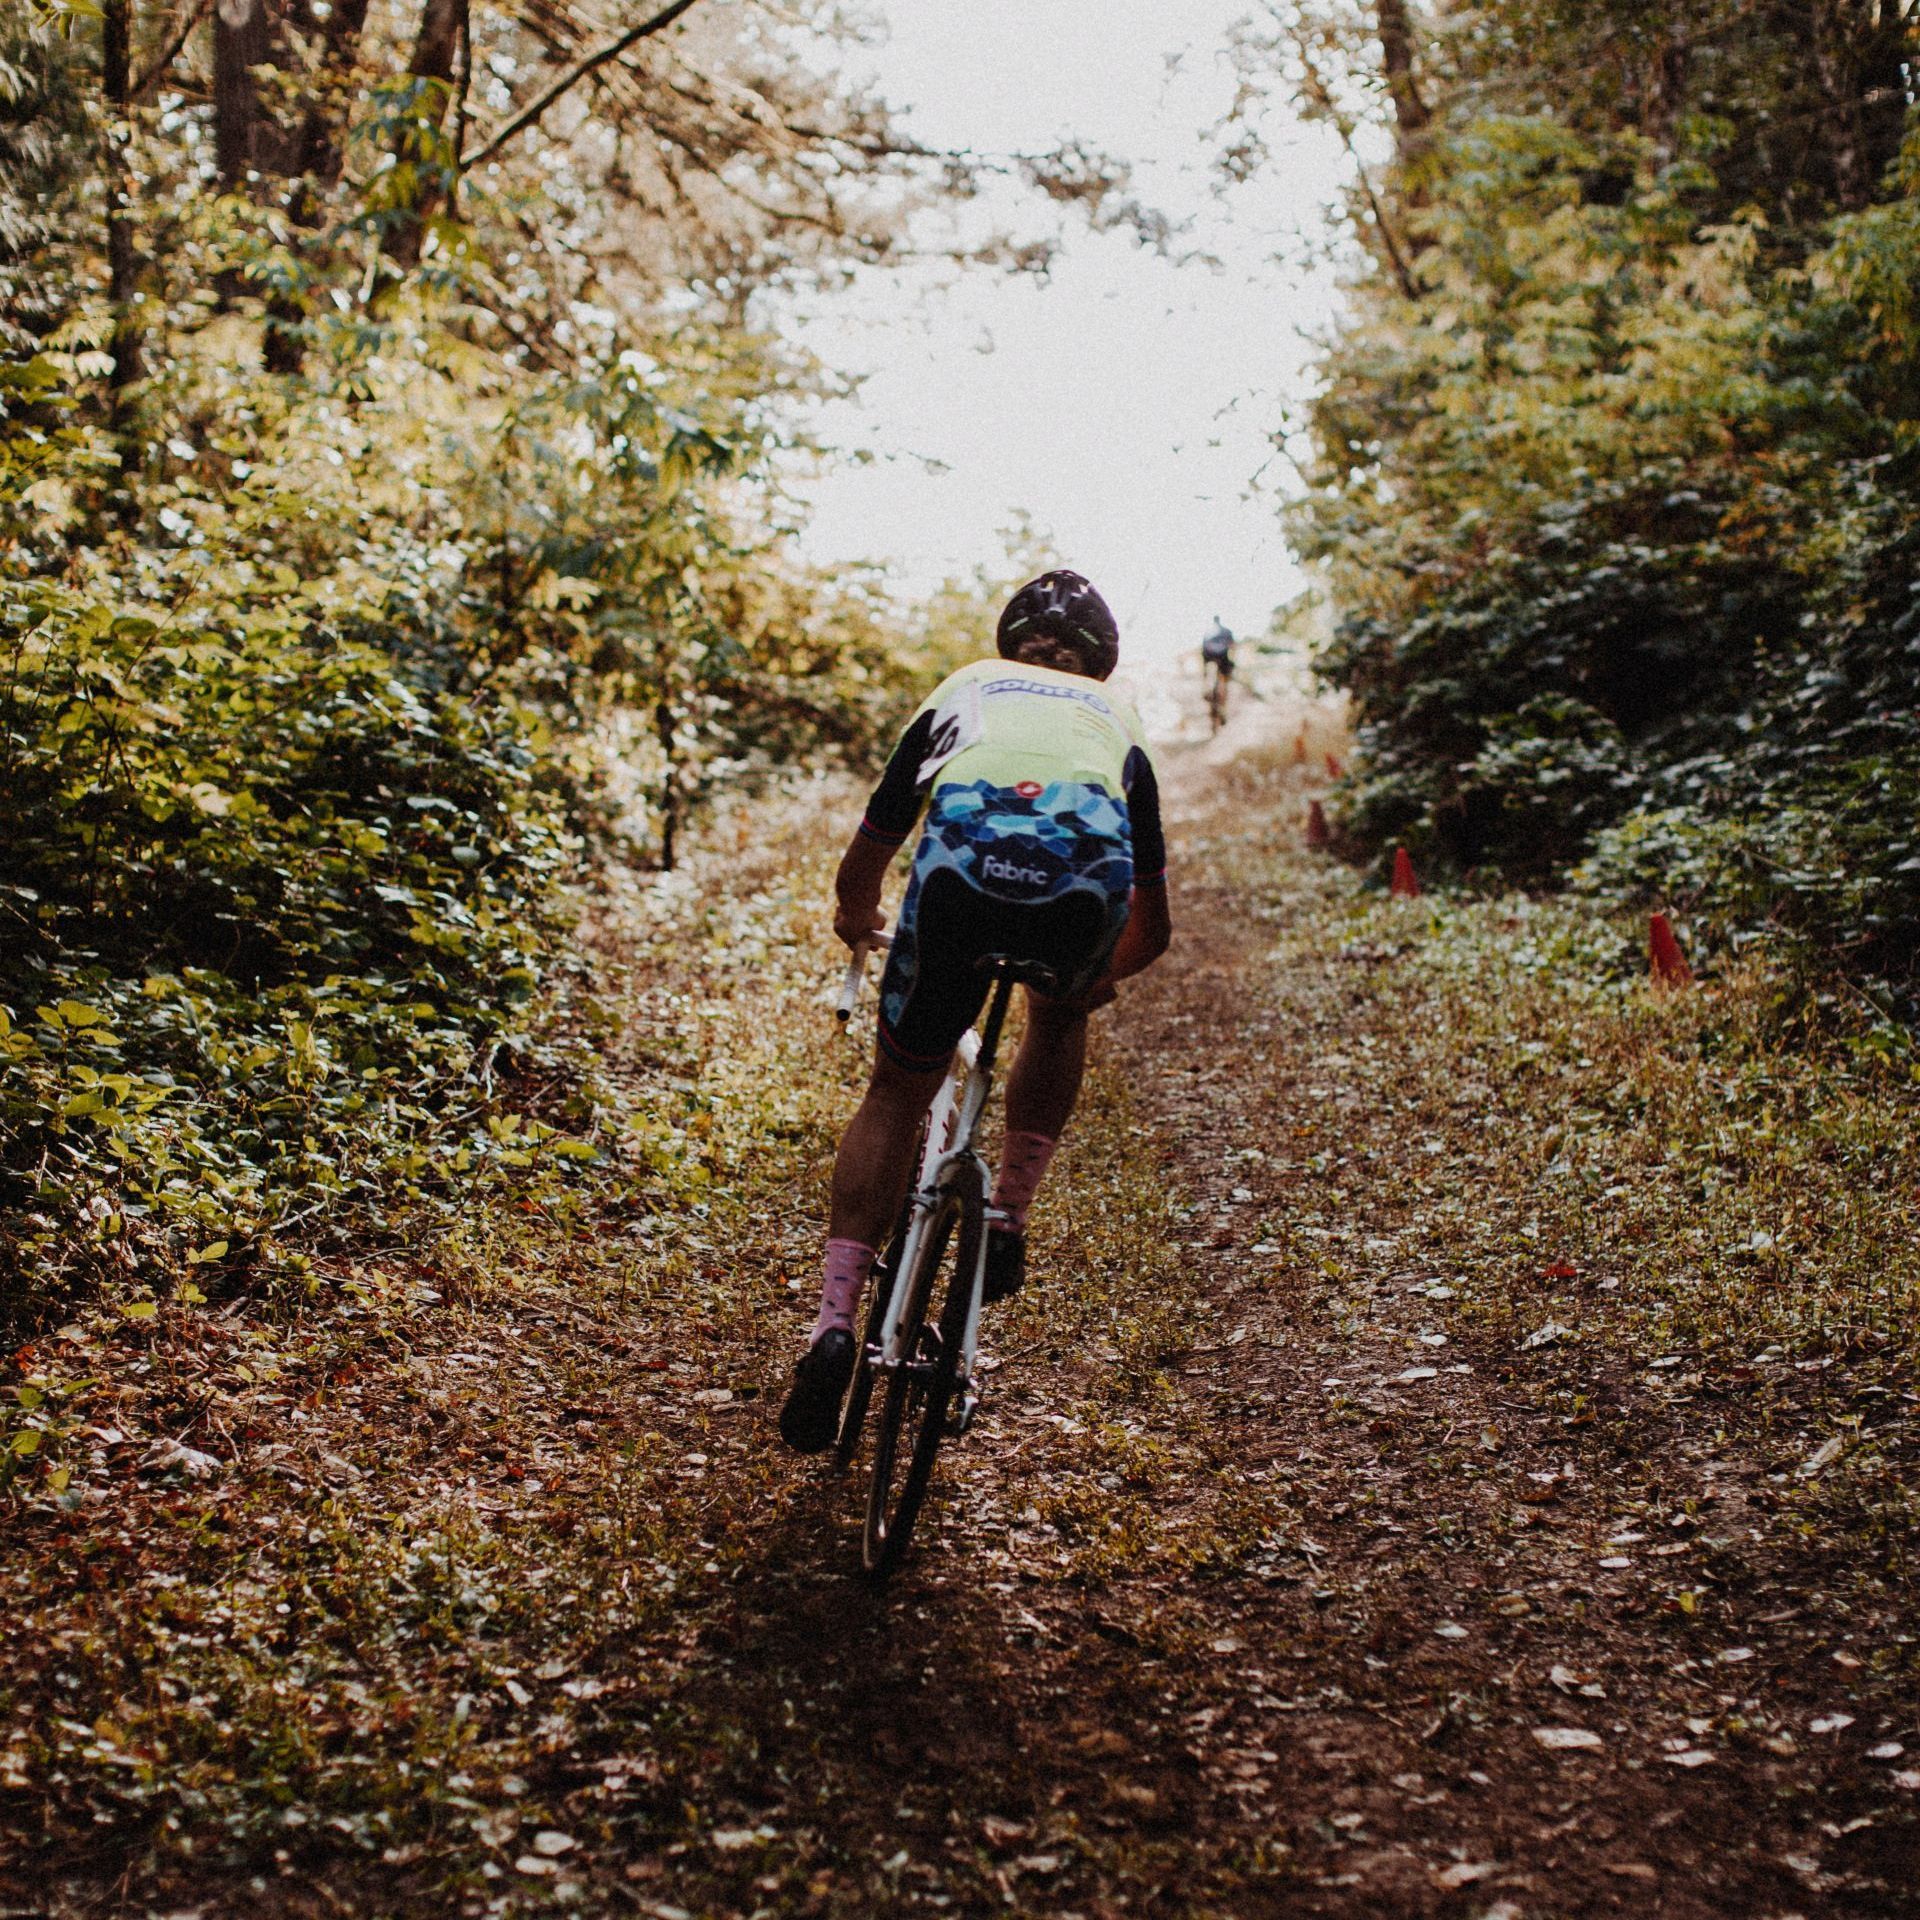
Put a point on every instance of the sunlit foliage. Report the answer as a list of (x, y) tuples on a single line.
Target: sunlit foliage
[(1614, 458), (391, 520)]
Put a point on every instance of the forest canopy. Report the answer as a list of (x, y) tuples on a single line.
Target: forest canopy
[(391, 425), (1614, 475)]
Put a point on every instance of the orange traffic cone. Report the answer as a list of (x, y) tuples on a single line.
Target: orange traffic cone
[(1406, 883), (1317, 834), (1665, 962), (1300, 748)]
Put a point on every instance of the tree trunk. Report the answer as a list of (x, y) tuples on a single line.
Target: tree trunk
[(1836, 71), (1412, 118), (663, 728), (1665, 91), (316, 155), (122, 268), (242, 40), (314, 159), (443, 25), (1411, 114)]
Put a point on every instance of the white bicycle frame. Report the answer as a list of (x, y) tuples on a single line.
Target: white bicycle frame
[(951, 1121)]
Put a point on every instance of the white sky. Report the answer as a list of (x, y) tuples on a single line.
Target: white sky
[(1126, 403)]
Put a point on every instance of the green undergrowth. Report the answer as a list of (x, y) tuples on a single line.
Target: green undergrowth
[(1671, 1190), (366, 1581), (1716, 1176)]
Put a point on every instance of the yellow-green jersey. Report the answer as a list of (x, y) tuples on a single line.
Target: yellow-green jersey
[(1008, 751), (1042, 817)]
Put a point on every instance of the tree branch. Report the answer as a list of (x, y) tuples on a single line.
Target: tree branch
[(168, 54), (1321, 97), (614, 48)]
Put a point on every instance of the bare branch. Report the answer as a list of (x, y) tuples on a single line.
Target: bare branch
[(614, 48), (164, 59), (1321, 96)]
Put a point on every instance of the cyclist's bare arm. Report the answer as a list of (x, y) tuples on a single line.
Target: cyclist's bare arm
[(1148, 932), (856, 889), (1146, 936)]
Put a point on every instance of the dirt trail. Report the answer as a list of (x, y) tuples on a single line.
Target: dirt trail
[(1430, 1659), (1268, 1583)]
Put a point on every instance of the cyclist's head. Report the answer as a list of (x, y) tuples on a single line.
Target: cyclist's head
[(1059, 621)]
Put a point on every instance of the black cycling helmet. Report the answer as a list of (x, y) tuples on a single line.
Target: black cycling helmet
[(1064, 607)]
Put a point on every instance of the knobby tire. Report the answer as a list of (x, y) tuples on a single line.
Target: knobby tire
[(915, 1408)]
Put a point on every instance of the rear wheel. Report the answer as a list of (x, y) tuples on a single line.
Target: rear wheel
[(886, 1271), (935, 1303)]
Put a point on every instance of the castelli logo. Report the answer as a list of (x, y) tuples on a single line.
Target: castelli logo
[(1029, 789)]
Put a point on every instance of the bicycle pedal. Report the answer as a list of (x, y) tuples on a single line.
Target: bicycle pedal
[(960, 1421)]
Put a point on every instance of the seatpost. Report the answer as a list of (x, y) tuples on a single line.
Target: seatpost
[(996, 1017), (982, 1076)]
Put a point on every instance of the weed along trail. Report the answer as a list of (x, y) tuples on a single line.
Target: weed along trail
[(1452, 1458)]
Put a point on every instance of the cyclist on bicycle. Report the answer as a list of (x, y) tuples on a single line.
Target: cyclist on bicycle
[(1216, 650), (1043, 843)]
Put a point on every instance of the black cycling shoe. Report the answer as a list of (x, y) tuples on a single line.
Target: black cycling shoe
[(1006, 1263), (811, 1417)]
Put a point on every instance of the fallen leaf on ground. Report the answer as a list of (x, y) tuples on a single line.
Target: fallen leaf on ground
[(1567, 1739), (1464, 1873)]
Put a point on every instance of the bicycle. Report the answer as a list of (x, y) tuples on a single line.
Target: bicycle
[(927, 1357), (1217, 674)]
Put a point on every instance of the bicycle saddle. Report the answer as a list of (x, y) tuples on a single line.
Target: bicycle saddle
[(1029, 973)]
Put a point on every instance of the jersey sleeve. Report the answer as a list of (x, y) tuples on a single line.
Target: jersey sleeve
[(895, 803), (1143, 812)]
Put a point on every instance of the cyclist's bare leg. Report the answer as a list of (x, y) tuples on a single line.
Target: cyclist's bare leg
[(1044, 1081), (1041, 1090), (877, 1151)]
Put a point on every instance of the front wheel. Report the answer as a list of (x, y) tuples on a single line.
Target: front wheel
[(936, 1300)]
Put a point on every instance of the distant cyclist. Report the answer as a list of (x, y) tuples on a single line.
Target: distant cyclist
[(1042, 842), (1216, 662)]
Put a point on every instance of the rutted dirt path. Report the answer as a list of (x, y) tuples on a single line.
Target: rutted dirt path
[(1274, 1580)]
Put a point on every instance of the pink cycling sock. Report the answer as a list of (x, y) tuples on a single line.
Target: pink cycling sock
[(1023, 1160), (843, 1275)]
